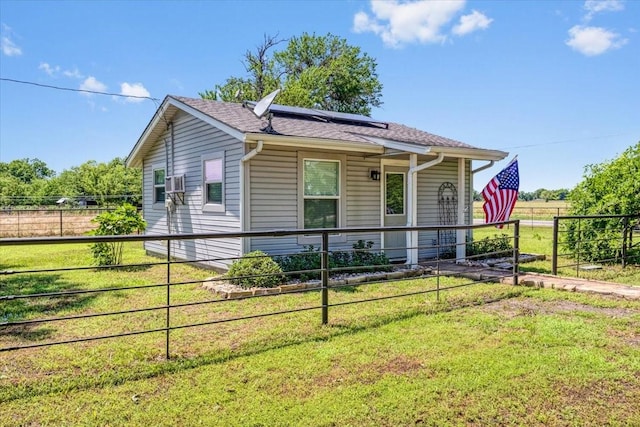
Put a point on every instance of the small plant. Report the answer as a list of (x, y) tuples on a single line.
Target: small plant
[(498, 245), (307, 263), (122, 221), (255, 269)]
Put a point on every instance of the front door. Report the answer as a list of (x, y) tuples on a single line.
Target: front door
[(395, 212)]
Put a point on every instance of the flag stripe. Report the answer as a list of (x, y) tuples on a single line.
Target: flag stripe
[(501, 194)]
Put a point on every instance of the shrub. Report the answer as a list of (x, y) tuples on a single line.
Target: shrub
[(255, 269), (498, 245), (307, 263), (122, 221)]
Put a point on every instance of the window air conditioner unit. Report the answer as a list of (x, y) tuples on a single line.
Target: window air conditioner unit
[(174, 184)]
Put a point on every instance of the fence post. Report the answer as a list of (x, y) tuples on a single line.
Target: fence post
[(578, 248), (168, 322), (60, 222), (516, 251), (554, 256), (625, 227), (324, 266)]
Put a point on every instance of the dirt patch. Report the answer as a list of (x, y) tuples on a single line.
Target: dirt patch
[(528, 307)]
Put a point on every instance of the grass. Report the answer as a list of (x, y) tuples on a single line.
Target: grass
[(539, 240), (481, 355)]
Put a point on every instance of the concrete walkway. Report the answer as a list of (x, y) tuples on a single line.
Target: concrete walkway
[(539, 280), (573, 284)]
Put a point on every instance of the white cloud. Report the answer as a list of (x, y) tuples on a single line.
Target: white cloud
[(407, 22), (7, 46), (472, 22), (596, 6), (134, 89), (592, 41), (48, 68), (93, 85), (75, 73)]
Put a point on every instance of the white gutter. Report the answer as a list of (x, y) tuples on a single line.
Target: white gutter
[(481, 168), (243, 193), (412, 206)]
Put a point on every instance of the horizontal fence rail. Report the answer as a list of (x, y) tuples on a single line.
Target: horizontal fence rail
[(166, 303)]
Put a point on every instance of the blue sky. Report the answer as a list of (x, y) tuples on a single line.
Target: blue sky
[(555, 82)]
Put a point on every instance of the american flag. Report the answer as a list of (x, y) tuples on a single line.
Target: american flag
[(501, 193)]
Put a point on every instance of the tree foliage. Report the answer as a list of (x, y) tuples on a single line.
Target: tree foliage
[(312, 71), (608, 188), (29, 182)]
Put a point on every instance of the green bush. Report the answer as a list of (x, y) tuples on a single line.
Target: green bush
[(122, 221), (498, 245), (255, 269), (307, 263)]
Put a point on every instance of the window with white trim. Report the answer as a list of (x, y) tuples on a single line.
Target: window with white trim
[(321, 194), (213, 182), (158, 185)]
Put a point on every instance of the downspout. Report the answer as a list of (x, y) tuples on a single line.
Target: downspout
[(243, 196), (412, 214)]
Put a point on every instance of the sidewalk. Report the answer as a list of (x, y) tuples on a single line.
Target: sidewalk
[(576, 285), (539, 280)]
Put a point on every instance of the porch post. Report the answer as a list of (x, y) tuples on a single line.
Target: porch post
[(461, 249), (412, 211)]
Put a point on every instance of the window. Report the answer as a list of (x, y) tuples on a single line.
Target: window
[(394, 187), (158, 185), (213, 182), (321, 193)]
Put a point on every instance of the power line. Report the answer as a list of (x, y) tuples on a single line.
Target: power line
[(77, 90)]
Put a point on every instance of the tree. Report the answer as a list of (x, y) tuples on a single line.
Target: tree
[(608, 188), (313, 71)]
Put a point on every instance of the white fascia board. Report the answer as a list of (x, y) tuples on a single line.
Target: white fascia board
[(397, 145), (313, 143), (471, 153), (159, 120), (207, 119)]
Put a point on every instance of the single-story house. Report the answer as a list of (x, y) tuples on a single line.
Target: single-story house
[(211, 166)]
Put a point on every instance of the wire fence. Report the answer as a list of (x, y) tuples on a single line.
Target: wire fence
[(47, 222), (46, 305)]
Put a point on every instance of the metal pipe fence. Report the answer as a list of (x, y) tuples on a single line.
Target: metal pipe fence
[(44, 288), (589, 241)]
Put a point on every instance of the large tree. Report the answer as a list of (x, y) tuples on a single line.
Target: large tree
[(608, 188), (312, 71)]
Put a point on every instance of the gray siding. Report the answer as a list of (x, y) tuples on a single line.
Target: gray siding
[(192, 139), (273, 199), (429, 181)]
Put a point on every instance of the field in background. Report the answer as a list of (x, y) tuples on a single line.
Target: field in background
[(46, 222), (532, 210)]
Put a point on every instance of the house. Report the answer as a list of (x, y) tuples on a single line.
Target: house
[(211, 166)]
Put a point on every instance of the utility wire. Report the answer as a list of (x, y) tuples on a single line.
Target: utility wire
[(77, 90)]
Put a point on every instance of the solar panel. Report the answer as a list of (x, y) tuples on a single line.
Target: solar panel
[(326, 115)]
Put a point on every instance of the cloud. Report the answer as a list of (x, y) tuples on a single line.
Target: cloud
[(408, 22), (75, 73), (134, 89), (93, 85), (48, 68), (472, 22), (596, 6), (7, 46), (593, 41)]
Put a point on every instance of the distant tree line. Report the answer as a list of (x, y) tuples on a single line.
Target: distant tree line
[(30, 182), (539, 194)]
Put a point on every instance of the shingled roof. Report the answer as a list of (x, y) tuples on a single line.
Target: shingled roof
[(240, 120)]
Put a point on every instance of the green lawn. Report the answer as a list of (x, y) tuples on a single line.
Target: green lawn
[(486, 354)]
